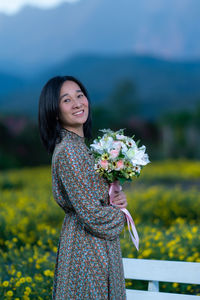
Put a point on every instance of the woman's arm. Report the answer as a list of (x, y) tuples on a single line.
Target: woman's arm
[(78, 180)]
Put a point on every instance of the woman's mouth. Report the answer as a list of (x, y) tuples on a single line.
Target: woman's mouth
[(79, 113)]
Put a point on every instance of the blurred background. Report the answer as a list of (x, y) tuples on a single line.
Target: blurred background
[(140, 62)]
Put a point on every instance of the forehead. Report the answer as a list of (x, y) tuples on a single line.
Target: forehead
[(69, 86)]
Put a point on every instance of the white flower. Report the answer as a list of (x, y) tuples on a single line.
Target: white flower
[(131, 143), (140, 158), (106, 143), (124, 148), (137, 168), (120, 136), (130, 154), (116, 145), (97, 166), (97, 147), (108, 130)]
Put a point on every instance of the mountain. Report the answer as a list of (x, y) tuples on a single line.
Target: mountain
[(34, 38), (161, 85), (10, 82)]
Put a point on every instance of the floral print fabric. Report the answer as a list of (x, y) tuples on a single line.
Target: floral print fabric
[(89, 261)]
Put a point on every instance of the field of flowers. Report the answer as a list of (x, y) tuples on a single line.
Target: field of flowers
[(164, 202)]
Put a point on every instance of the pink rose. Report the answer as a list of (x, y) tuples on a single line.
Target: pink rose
[(104, 164), (120, 164), (114, 153)]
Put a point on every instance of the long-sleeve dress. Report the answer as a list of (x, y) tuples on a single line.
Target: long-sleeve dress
[(89, 259)]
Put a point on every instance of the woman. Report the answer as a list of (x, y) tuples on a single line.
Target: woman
[(89, 262)]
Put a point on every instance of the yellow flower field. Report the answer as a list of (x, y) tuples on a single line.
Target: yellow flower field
[(164, 202)]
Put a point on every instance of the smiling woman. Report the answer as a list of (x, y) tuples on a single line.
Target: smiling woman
[(89, 260), (73, 107), (61, 98)]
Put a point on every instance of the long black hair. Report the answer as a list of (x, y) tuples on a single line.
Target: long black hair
[(49, 126)]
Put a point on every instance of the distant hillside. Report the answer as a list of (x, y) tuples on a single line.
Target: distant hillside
[(9, 82), (161, 85), (34, 38)]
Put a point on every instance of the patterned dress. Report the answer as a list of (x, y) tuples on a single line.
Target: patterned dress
[(89, 260)]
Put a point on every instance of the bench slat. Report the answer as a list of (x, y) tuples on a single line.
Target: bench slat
[(162, 270), (146, 295)]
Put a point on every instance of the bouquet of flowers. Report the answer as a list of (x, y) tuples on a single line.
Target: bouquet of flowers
[(118, 158)]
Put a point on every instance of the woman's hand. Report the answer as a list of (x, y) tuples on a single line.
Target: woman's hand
[(120, 199)]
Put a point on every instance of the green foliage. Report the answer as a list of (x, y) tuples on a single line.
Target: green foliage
[(21, 145), (116, 111)]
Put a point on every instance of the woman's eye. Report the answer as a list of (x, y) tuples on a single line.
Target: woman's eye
[(66, 100), (81, 95)]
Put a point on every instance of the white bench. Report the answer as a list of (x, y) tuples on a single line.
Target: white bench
[(154, 271)]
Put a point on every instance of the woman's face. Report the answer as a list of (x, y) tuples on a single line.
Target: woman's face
[(73, 106)]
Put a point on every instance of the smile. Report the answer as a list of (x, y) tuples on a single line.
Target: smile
[(80, 113)]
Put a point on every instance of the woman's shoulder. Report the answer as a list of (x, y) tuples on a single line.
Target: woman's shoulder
[(70, 149)]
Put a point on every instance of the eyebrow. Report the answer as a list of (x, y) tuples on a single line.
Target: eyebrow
[(68, 94)]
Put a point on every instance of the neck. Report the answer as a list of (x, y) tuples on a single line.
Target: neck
[(78, 130)]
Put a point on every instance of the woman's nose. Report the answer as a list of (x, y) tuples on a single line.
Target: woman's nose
[(77, 102)]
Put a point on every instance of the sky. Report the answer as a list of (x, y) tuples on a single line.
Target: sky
[(13, 6)]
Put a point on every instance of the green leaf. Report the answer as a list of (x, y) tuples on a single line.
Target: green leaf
[(137, 142)]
